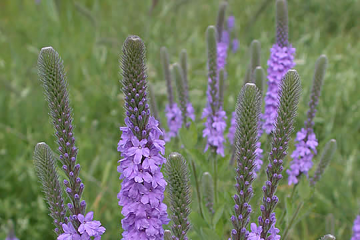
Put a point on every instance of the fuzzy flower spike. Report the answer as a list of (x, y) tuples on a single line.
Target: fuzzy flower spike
[(287, 105), (143, 185), (306, 141), (45, 169), (52, 75), (172, 111), (190, 112), (179, 195), (247, 118), (281, 60), (215, 123)]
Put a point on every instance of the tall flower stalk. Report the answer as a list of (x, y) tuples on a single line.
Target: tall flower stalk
[(45, 169), (247, 118), (213, 112), (289, 95), (280, 61), (306, 141), (172, 111), (52, 76), (179, 193), (143, 185), (190, 112)]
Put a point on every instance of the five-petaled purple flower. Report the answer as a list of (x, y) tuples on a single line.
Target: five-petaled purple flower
[(255, 232)]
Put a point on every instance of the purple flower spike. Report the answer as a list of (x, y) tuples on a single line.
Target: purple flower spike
[(143, 185), (306, 141), (174, 120), (281, 60), (215, 123)]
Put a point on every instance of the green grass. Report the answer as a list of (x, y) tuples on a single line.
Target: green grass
[(89, 42)]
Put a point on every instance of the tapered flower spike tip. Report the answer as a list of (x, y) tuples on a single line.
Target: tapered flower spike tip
[(259, 79), (184, 67), (282, 27), (212, 65), (220, 20), (246, 138), (45, 169), (328, 237), (207, 187), (255, 61), (327, 155), (164, 55), (255, 54), (134, 77), (167, 235), (181, 92), (179, 193), (318, 79)]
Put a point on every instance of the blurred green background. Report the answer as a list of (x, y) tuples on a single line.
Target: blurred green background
[(89, 34)]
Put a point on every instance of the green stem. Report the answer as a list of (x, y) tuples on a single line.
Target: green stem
[(197, 188), (214, 159), (292, 220)]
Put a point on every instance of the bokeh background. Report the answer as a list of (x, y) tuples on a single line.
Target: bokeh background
[(88, 34)]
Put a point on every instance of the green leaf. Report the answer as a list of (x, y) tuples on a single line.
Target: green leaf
[(304, 189), (218, 214), (188, 137), (289, 210), (209, 234)]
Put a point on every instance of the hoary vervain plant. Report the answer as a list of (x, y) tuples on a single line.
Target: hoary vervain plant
[(179, 193), (190, 112), (280, 61), (173, 112), (181, 92), (289, 95), (52, 76), (246, 138), (143, 185), (306, 141)]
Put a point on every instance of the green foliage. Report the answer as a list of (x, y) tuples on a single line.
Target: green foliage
[(91, 56)]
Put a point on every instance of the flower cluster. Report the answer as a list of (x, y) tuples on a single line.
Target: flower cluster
[(215, 123), (143, 185), (88, 228), (52, 75), (174, 120), (214, 130), (356, 229), (290, 88), (303, 154), (190, 111), (281, 60)]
